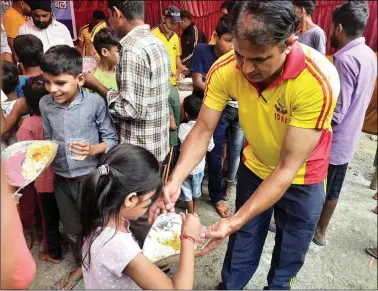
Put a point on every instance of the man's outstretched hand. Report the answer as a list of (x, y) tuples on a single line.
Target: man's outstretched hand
[(217, 233), (166, 201)]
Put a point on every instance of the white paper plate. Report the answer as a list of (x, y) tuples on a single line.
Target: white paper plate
[(164, 229)]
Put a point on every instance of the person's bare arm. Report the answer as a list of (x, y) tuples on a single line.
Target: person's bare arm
[(156, 279), (6, 57), (196, 144), (181, 69), (198, 84), (11, 45), (10, 121), (172, 122), (296, 149)]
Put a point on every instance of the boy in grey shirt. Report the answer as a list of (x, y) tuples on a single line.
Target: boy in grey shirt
[(310, 34)]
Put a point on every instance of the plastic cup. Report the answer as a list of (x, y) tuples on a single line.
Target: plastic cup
[(74, 156)]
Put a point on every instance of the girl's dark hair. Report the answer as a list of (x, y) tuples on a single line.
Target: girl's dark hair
[(34, 90), (132, 169), (264, 23)]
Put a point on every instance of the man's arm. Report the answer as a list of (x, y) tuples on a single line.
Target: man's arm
[(8, 122), (298, 145), (198, 84), (347, 75)]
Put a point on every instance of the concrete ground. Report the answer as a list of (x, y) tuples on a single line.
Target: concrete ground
[(343, 264)]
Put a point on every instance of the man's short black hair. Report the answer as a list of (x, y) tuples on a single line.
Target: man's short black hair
[(263, 23), (131, 9), (308, 5), (230, 5), (224, 5), (10, 77), (99, 15), (34, 89), (185, 14), (223, 26), (192, 106), (105, 38), (29, 50), (62, 59), (353, 16)]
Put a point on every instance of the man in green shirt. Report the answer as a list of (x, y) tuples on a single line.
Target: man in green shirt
[(107, 46)]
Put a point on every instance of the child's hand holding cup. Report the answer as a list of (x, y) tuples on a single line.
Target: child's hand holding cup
[(79, 148)]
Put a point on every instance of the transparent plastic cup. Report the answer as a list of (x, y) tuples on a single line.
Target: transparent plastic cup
[(72, 155)]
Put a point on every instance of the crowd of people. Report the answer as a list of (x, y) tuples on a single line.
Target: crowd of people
[(128, 150)]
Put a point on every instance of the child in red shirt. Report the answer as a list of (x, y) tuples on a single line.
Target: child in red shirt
[(32, 129)]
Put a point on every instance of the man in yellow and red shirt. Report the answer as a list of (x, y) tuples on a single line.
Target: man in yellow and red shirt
[(286, 94)]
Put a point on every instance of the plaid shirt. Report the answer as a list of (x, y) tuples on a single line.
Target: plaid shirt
[(140, 108)]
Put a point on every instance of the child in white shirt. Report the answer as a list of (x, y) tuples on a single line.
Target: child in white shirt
[(191, 189)]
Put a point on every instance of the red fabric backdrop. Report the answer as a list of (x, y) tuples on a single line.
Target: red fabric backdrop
[(206, 15)]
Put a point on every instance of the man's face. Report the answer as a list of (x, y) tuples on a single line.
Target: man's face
[(298, 11), (116, 22), (224, 43), (334, 38), (42, 19), (224, 11), (111, 55), (258, 63), (63, 88), (169, 23)]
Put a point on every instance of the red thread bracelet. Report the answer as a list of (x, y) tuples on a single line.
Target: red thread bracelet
[(184, 236)]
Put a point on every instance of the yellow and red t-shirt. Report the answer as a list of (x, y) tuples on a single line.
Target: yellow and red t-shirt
[(303, 96), (173, 46)]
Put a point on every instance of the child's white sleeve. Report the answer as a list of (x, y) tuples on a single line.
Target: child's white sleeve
[(211, 145), (122, 255), (182, 133)]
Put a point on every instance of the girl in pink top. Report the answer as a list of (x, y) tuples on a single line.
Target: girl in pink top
[(32, 129)]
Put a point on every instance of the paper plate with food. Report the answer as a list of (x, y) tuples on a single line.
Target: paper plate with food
[(25, 161), (162, 244)]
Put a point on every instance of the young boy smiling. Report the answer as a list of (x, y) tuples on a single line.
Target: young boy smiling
[(70, 113)]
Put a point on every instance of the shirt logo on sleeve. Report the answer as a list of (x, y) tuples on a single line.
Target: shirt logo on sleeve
[(281, 111)]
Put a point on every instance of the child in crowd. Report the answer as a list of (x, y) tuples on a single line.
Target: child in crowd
[(191, 188), (82, 125), (32, 129), (205, 55), (29, 51), (107, 46), (118, 192), (10, 80)]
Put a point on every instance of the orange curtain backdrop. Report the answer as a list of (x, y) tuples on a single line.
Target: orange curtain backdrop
[(323, 18)]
